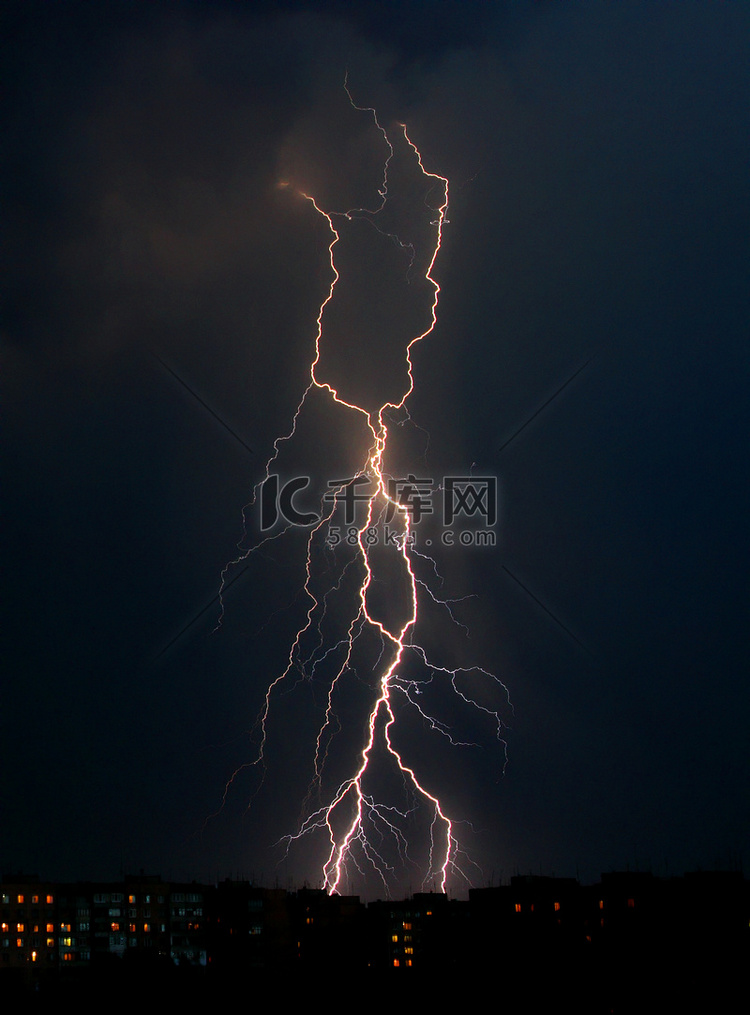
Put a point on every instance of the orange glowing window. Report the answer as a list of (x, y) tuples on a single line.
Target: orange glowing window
[(50, 900), (4, 928), (518, 907), (557, 907), (132, 928), (396, 962), (406, 926), (34, 900), (20, 900), (601, 903), (114, 926), (394, 938), (50, 928), (20, 928)]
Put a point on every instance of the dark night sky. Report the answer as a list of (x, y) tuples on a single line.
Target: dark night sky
[(598, 158)]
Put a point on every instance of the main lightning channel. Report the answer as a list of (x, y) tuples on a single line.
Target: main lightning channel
[(351, 809), (333, 869)]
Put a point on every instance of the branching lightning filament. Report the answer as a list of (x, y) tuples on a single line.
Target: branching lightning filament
[(362, 832)]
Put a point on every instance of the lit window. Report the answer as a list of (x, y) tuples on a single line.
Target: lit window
[(114, 926), (50, 900), (20, 928), (19, 942), (20, 900), (66, 942), (132, 928), (396, 962), (50, 942), (147, 928), (34, 900), (408, 951), (557, 907), (406, 926), (131, 900), (408, 962), (4, 928), (601, 903), (33, 956), (50, 928), (68, 957), (518, 907), (394, 937), (65, 926)]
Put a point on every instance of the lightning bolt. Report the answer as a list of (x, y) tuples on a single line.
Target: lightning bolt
[(355, 823)]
